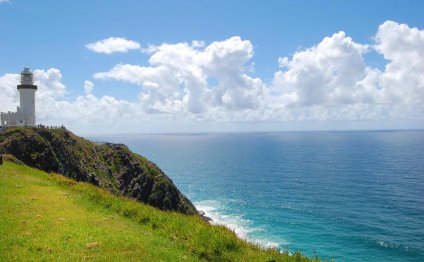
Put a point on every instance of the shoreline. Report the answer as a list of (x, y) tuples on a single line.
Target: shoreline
[(240, 226)]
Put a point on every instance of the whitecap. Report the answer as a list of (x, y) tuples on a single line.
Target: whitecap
[(241, 226)]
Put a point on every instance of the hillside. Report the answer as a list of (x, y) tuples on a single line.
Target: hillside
[(50, 217), (109, 166)]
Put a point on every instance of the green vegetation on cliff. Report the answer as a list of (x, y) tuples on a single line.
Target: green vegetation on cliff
[(48, 217), (110, 166)]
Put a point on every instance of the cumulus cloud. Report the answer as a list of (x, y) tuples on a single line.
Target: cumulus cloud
[(333, 80), (8, 93), (113, 45), (323, 74), (403, 78), (88, 87), (177, 79), (199, 83), (49, 83)]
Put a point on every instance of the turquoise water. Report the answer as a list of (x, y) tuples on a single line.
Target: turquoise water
[(348, 196)]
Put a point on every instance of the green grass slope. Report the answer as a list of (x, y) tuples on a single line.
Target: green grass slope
[(48, 217), (109, 166)]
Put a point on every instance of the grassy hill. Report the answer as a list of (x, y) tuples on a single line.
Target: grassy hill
[(110, 166), (48, 217)]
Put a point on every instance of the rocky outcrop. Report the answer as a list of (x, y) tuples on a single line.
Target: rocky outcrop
[(110, 166)]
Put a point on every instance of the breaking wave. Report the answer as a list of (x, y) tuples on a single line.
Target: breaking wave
[(244, 228)]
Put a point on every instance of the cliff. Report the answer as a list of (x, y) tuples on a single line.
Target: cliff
[(109, 166)]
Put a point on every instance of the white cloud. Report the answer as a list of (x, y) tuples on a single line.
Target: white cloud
[(4, 1), (113, 45), (403, 78), (197, 44), (177, 78), (189, 83), (333, 81), (88, 87), (49, 84), (324, 74), (8, 94), (329, 81), (149, 49)]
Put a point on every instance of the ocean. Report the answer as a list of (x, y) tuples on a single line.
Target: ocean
[(347, 196)]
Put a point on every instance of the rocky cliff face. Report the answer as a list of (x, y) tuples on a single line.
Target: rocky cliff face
[(110, 166)]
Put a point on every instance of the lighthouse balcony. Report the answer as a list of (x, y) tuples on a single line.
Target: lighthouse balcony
[(27, 87)]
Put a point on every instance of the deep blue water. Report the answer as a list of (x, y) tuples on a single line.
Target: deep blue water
[(348, 196)]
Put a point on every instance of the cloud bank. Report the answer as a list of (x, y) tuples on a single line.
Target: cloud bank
[(198, 83)]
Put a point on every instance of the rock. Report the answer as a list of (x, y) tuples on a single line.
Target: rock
[(204, 217), (93, 179)]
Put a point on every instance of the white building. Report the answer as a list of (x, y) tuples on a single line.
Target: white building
[(25, 113)]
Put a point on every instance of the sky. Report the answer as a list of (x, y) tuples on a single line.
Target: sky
[(216, 66)]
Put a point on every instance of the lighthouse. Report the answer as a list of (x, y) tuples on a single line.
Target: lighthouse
[(25, 113), (27, 98)]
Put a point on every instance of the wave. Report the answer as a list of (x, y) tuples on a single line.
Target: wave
[(399, 247), (241, 226)]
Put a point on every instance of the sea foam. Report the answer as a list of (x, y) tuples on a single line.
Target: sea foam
[(241, 226)]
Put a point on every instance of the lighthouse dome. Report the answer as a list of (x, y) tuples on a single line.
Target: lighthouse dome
[(26, 71)]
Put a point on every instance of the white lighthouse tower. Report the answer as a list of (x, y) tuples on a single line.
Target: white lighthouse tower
[(25, 113), (27, 98)]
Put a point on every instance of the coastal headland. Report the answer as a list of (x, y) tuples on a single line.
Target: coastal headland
[(68, 198)]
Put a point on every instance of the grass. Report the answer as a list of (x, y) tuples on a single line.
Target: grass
[(47, 217), (111, 167)]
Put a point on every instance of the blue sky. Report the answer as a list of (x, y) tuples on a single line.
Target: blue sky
[(55, 34)]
